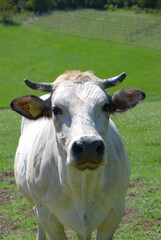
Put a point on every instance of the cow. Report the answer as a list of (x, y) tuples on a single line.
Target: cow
[(71, 164)]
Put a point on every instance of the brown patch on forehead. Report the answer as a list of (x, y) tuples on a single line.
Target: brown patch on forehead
[(77, 76)]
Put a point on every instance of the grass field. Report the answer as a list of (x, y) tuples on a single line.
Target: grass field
[(103, 25), (42, 56)]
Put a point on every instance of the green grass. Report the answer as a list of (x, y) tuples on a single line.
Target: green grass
[(41, 56), (105, 25)]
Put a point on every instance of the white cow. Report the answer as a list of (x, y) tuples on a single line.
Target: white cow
[(70, 162)]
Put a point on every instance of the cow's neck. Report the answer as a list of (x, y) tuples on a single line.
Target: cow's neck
[(84, 185), (85, 194)]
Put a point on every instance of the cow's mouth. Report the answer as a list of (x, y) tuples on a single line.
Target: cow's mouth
[(88, 165)]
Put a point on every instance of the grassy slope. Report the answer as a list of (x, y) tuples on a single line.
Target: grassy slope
[(42, 56), (104, 25)]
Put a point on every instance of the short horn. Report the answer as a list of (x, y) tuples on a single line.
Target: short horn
[(41, 87), (111, 82)]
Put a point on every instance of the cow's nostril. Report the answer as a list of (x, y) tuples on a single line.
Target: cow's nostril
[(100, 148), (90, 148), (77, 148)]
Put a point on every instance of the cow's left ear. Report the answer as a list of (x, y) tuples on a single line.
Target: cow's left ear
[(126, 98), (31, 107)]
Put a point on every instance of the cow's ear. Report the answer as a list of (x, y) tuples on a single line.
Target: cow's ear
[(126, 98), (31, 107)]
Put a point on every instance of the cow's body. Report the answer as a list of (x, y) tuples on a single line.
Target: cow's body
[(49, 173)]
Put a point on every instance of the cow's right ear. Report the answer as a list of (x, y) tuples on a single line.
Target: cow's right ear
[(31, 107)]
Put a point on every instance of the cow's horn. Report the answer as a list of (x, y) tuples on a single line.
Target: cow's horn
[(41, 87), (111, 82)]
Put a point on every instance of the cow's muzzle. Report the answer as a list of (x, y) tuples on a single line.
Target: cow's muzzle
[(87, 153)]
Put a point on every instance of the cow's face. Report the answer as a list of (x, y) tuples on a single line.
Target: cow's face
[(80, 114), (79, 108)]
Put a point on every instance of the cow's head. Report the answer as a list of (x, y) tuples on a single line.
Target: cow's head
[(80, 109)]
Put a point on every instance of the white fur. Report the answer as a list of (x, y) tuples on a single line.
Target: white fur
[(63, 195)]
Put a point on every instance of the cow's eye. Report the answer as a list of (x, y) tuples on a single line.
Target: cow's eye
[(56, 110), (106, 107)]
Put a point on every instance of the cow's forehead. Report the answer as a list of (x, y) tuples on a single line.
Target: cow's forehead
[(87, 92)]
